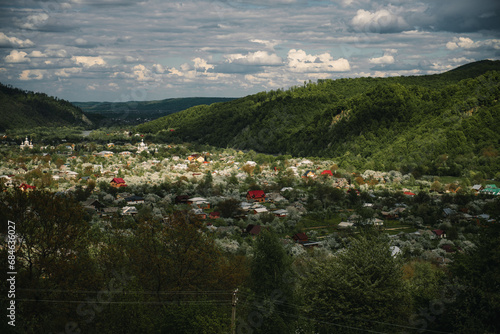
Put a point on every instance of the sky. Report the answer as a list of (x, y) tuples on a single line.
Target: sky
[(124, 50)]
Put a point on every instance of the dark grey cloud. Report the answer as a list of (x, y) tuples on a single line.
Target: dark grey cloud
[(91, 48)]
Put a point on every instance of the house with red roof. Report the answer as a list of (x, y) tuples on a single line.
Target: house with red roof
[(214, 215), (327, 172), (118, 182), (26, 187), (300, 237), (256, 195)]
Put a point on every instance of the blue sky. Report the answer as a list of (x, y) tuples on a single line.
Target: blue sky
[(122, 50)]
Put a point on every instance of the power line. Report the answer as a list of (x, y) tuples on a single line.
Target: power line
[(133, 292), (343, 316), (195, 302)]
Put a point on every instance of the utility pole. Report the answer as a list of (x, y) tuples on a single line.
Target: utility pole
[(233, 315)]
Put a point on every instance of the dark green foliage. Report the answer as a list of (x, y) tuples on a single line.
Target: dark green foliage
[(477, 305), (362, 287), (24, 109), (440, 124), (271, 302)]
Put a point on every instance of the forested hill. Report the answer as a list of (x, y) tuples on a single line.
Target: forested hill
[(438, 124), (25, 109)]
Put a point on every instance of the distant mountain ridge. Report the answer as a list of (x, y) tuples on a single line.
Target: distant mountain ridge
[(132, 112), (25, 109), (438, 123)]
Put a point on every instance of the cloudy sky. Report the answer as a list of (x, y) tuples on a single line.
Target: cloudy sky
[(122, 50)]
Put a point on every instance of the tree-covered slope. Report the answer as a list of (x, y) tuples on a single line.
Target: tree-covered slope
[(429, 124), (24, 109)]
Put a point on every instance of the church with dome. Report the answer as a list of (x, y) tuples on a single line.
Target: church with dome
[(142, 147), (26, 144)]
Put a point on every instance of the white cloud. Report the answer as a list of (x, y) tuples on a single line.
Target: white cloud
[(88, 61), (299, 61), (469, 44), (33, 22), (141, 73), (32, 75), (269, 44), (6, 41), (385, 59), (130, 59), (81, 42), (17, 57), (37, 54), (380, 21), (61, 53), (159, 69), (461, 60), (67, 72), (461, 42), (202, 63), (255, 58)]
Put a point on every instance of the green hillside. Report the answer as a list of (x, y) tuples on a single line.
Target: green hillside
[(23, 109), (136, 112), (441, 124)]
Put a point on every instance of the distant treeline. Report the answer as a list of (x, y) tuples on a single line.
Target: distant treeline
[(136, 112)]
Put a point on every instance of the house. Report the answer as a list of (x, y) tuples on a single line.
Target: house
[(280, 213), (93, 204), (345, 225), (253, 229), (108, 212), (327, 172), (26, 187), (491, 189), (200, 202), (129, 211), (105, 154), (275, 197), (447, 212), (309, 173), (196, 158), (214, 215), (199, 214), (134, 200), (71, 175), (124, 153), (409, 193), (259, 210), (6, 180), (439, 233), (256, 195), (477, 188), (300, 237), (306, 162), (181, 199), (117, 182)]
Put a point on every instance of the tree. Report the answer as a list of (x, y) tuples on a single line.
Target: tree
[(362, 287), (272, 284), (229, 207), (52, 254), (477, 307)]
